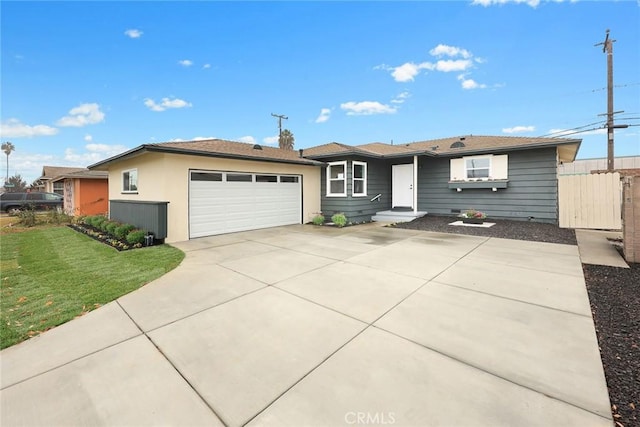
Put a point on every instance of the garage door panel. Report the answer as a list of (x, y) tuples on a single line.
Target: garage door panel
[(217, 207)]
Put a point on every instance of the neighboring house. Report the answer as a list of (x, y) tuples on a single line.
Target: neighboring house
[(45, 182), (505, 177), (182, 190), (85, 192), (587, 166)]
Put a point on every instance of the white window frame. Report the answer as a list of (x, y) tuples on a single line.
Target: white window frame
[(58, 187), (354, 179), (129, 190), (466, 169), (343, 179)]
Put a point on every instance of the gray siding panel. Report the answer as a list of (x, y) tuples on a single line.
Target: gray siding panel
[(359, 209), (532, 191), (149, 216)]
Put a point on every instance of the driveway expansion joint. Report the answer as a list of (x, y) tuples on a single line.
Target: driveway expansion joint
[(479, 368), (463, 288)]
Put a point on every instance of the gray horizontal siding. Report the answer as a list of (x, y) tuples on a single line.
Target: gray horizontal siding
[(148, 216), (532, 190), (359, 209)]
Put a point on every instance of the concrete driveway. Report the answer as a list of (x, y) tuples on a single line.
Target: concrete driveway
[(306, 325)]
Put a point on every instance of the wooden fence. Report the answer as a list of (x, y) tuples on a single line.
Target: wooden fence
[(590, 201)]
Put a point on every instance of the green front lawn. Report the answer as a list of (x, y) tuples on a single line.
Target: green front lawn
[(54, 274)]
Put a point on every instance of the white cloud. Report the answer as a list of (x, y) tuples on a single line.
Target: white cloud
[(133, 33), (88, 138), (105, 148), (447, 65), (166, 103), (485, 3), (205, 66), (271, 140), (94, 153), (248, 139), (407, 71), (185, 62), (82, 115), (446, 50), (366, 108), (325, 114), (519, 129), (462, 61), (470, 83), (401, 97), (13, 128), (203, 138)]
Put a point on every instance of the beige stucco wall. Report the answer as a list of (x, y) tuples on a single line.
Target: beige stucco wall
[(165, 177)]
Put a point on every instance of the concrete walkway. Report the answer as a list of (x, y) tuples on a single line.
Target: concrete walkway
[(595, 248), (306, 325)]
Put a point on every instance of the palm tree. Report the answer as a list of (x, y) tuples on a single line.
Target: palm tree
[(8, 147), (286, 140)]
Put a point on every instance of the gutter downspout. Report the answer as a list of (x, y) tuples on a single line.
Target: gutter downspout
[(415, 185)]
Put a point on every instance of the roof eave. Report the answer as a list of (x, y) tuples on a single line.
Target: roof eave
[(175, 150), (343, 153), (488, 150)]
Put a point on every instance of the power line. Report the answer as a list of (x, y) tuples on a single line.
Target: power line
[(575, 128), (625, 85)]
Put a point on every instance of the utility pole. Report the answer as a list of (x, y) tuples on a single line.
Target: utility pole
[(607, 46), (280, 117)]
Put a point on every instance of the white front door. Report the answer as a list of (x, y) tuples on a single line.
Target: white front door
[(402, 186)]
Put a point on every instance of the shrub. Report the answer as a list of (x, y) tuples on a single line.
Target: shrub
[(27, 216), (111, 227), (104, 225), (96, 221), (318, 219), (136, 236), (122, 231), (56, 216), (339, 219)]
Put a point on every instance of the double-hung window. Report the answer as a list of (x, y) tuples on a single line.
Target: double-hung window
[(130, 181), (337, 179), (478, 167), (359, 179)]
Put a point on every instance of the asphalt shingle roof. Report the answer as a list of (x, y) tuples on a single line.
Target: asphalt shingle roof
[(50, 172), (438, 147), (218, 148)]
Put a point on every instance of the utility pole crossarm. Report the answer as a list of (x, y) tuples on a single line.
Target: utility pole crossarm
[(280, 117)]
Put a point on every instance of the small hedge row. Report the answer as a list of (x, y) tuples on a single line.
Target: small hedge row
[(116, 229)]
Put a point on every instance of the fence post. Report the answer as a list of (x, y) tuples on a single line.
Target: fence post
[(631, 218)]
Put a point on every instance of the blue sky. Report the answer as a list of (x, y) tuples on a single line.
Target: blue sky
[(82, 81)]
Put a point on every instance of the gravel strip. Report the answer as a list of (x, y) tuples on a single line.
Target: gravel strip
[(614, 295), (506, 229)]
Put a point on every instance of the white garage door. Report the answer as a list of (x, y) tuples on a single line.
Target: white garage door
[(225, 202)]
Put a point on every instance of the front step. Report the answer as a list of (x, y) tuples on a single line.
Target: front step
[(397, 216)]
